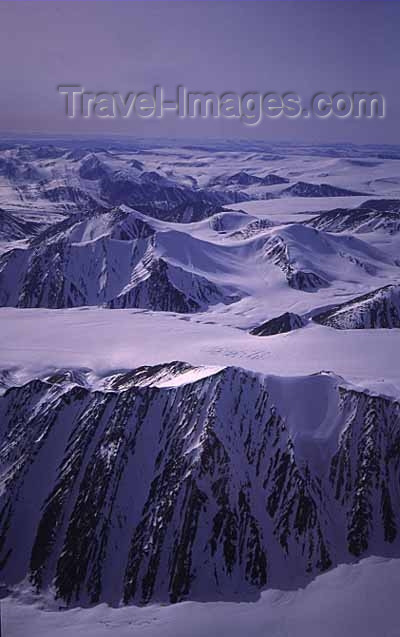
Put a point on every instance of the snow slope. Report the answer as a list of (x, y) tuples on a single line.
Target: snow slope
[(358, 599), (33, 341)]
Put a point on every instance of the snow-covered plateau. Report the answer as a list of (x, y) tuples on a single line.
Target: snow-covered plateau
[(199, 389)]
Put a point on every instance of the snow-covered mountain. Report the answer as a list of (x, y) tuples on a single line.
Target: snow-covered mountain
[(378, 309), (312, 259), (243, 178), (369, 217), (88, 179), (123, 258), (171, 481), (304, 189), (126, 478), (116, 259)]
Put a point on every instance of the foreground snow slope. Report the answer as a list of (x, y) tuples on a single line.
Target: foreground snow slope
[(353, 600)]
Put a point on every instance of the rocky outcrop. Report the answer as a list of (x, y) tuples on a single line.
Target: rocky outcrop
[(251, 229), (278, 250), (279, 325)]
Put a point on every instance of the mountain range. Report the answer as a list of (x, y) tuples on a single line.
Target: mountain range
[(199, 390)]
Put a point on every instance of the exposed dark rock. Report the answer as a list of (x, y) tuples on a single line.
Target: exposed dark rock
[(284, 323)]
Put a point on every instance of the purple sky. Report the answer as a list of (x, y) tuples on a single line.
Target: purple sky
[(306, 47)]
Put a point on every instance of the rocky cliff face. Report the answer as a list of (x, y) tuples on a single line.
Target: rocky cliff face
[(12, 228), (172, 482)]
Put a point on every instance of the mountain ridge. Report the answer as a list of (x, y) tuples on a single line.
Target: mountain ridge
[(216, 511)]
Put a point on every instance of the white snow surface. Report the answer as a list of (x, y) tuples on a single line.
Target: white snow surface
[(358, 599), (37, 341)]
